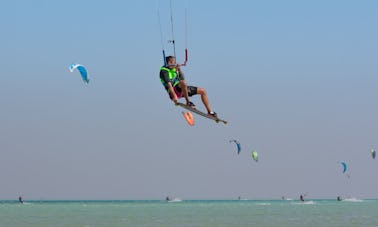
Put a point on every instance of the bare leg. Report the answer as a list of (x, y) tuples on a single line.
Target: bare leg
[(184, 88), (205, 100)]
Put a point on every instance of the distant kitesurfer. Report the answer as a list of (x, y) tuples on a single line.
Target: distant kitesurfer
[(301, 197), (167, 199), (172, 78), (338, 198), (20, 199)]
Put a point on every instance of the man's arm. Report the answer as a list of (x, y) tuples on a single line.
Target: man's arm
[(172, 92), (180, 72), (164, 76)]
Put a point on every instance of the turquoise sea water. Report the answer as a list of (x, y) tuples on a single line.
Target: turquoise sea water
[(190, 213)]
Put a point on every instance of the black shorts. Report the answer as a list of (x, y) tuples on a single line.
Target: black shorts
[(191, 91)]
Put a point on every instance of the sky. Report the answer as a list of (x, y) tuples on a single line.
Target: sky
[(297, 81)]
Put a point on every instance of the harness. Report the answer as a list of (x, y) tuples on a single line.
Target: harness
[(172, 76)]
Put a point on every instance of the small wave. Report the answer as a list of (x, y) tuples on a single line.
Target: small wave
[(305, 203), (309, 202), (25, 203), (352, 200), (175, 200), (263, 204)]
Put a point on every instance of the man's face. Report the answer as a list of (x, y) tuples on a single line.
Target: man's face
[(172, 63)]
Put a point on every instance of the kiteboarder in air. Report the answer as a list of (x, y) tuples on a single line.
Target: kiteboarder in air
[(173, 80)]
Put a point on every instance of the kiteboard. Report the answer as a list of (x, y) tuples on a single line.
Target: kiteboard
[(194, 110)]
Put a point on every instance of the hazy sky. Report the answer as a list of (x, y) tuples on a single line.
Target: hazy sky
[(297, 81)]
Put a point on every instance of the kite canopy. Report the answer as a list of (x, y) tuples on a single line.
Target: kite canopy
[(373, 153), (255, 155), (83, 71), (237, 145), (344, 166)]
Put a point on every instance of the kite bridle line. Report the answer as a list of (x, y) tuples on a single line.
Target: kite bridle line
[(186, 34), (161, 34), (172, 41), (173, 33)]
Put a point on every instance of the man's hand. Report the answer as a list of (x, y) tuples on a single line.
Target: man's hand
[(178, 67), (175, 99), (172, 93)]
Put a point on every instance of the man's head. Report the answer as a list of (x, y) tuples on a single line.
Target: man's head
[(171, 61)]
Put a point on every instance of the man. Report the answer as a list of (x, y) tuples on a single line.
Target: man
[(172, 78), (20, 199)]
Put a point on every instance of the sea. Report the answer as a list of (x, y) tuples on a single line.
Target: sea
[(177, 212)]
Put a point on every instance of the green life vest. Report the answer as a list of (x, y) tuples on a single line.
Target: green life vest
[(172, 76)]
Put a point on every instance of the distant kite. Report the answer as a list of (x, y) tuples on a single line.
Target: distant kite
[(237, 145), (83, 71), (345, 167), (255, 156), (373, 153)]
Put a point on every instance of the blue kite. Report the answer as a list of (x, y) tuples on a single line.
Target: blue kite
[(344, 166), (237, 145), (83, 71)]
